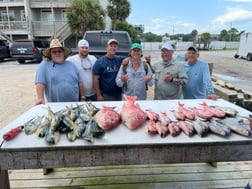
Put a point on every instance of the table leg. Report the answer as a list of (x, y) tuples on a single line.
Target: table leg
[(4, 179)]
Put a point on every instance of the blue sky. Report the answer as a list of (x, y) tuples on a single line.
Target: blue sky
[(183, 16)]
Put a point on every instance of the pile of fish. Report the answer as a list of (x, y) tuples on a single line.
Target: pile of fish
[(199, 120), (87, 122), (75, 122)]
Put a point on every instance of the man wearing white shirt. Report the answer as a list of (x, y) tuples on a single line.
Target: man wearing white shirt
[(84, 63)]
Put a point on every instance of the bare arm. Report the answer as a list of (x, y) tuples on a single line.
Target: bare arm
[(40, 88), (81, 92), (97, 87)]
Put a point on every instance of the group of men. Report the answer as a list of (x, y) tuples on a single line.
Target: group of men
[(83, 77)]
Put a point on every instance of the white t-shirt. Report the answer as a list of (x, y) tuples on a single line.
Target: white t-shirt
[(85, 67)]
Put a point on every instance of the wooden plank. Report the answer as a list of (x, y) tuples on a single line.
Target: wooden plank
[(226, 94), (202, 175), (4, 179)]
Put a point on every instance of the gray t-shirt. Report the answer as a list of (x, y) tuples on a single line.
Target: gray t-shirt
[(61, 81)]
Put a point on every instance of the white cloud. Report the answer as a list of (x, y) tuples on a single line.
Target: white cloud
[(235, 14)]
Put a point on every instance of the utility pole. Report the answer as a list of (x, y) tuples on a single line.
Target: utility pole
[(230, 33)]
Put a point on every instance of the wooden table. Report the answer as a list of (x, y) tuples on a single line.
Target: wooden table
[(120, 146)]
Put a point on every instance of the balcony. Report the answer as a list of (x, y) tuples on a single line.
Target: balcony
[(12, 3), (59, 29), (50, 3)]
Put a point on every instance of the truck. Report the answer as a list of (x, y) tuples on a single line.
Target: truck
[(245, 48), (4, 50), (98, 40), (28, 49)]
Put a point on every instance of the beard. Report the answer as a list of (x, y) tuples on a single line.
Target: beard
[(83, 54)]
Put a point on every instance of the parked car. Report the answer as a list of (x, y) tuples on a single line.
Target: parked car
[(98, 40), (26, 49), (4, 50)]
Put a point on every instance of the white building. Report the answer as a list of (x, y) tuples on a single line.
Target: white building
[(22, 19)]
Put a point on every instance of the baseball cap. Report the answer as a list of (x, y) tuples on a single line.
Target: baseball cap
[(112, 41), (83, 43), (193, 48), (136, 46), (167, 47)]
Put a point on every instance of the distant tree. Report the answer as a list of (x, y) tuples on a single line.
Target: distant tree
[(151, 37), (85, 15), (232, 34), (205, 37), (121, 25), (223, 35), (194, 34), (118, 10)]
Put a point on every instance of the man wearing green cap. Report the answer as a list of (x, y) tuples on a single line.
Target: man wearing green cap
[(134, 76)]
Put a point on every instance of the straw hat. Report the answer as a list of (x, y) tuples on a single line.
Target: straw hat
[(54, 44)]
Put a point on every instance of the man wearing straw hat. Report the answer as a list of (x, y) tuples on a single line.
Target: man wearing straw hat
[(56, 78)]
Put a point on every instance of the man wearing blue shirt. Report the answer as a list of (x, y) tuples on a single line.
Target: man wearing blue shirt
[(199, 85), (105, 71), (56, 78)]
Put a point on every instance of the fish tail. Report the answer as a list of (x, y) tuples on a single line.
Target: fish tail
[(130, 99)]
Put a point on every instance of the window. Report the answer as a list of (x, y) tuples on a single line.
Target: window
[(4, 15), (63, 15), (46, 15), (23, 18)]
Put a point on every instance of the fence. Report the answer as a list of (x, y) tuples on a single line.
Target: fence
[(214, 45)]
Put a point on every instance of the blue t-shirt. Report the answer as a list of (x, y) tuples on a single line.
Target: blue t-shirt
[(61, 81), (199, 81), (107, 69)]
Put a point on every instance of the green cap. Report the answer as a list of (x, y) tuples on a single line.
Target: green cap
[(136, 46)]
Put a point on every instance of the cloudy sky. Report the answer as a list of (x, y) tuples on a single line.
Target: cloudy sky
[(183, 16)]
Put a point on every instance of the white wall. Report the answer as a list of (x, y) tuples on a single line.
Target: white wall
[(215, 45)]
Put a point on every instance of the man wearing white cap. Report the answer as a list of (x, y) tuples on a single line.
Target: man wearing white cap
[(84, 63), (169, 76)]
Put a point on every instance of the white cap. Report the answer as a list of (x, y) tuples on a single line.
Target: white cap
[(168, 47), (83, 43)]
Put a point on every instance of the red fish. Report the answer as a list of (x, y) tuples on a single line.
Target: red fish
[(178, 115), (217, 112), (107, 118), (150, 127), (173, 129), (189, 131), (164, 118), (188, 113), (203, 114), (132, 115), (161, 129), (152, 115)]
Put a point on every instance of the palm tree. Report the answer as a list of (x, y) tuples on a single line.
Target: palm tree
[(205, 37), (232, 33), (223, 35), (85, 15), (194, 33), (118, 10)]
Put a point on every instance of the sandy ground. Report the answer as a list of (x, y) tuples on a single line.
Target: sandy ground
[(18, 90)]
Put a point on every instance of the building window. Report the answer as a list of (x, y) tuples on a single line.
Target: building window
[(63, 15), (4, 15), (46, 16)]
